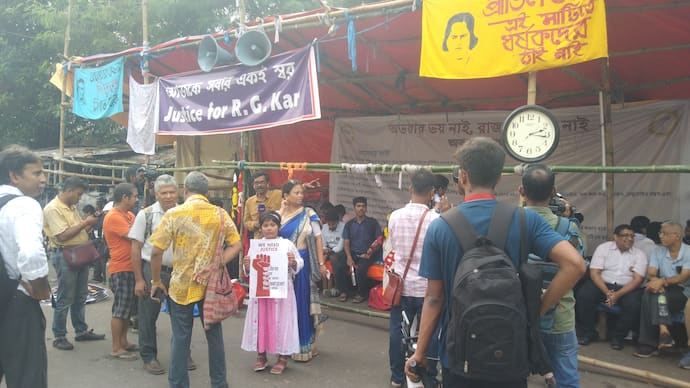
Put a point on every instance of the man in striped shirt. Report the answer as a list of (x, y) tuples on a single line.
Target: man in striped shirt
[(402, 227)]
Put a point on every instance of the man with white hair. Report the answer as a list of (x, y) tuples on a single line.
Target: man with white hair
[(668, 280), (165, 188), (193, 230)]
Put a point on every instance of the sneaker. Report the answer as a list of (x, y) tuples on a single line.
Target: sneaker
[(394, 384), (685, 361), (645, 351), (154, 367), (89, 336), (666, 341), (62, 344)]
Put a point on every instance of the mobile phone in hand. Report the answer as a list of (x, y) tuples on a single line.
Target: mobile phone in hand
[(159, 294)]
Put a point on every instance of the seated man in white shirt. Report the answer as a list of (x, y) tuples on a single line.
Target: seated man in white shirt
[(616, 273), (332, 237)]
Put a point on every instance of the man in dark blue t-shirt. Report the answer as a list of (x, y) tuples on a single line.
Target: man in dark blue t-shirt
[(362, 242), (481, 163)]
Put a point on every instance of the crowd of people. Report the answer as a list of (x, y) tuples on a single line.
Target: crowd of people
[(163, 251)]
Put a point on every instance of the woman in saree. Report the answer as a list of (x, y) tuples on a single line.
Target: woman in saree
[(302, 226)]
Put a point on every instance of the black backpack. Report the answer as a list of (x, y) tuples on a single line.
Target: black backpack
[(493, 329), (8, 286)]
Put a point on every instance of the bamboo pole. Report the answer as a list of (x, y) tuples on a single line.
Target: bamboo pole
[(372, 168), (86, 176), (608, 144), (364, 11), (368, 313), (63, 94), (642, 374)]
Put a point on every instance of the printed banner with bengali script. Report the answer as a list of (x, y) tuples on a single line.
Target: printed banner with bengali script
[(268, 268), (283, 90), (98, 91), (491, 38)]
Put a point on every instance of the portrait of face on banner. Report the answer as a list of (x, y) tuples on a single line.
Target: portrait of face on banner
[(268, 268)]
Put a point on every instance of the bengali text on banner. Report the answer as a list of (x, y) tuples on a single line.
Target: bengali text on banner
[(491, 38), (282, 90)]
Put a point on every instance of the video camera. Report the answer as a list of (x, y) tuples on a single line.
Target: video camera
[(558, 203)]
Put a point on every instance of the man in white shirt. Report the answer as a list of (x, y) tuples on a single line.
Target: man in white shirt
[(402, 226), (23, 356), (145, 223), (616, 273), (332, 237)]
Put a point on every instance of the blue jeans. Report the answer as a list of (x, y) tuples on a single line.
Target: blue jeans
[(396, 354), (71, 295), (562, 350), (182, 321)]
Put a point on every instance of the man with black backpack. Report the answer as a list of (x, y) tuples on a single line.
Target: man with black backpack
[(482, 313), (23, 270), (558, 325)]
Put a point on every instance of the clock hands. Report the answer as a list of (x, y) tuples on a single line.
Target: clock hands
[(539, 133)]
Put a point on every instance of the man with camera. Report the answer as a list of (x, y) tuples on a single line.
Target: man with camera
[(558, 325)]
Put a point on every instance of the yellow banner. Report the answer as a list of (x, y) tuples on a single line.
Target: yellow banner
[(464, 39)]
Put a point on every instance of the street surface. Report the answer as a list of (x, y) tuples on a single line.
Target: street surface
[(353, 353)]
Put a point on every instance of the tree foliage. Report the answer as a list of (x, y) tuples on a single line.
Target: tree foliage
[(32, 38)]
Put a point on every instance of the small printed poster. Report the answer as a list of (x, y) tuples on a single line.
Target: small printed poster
[(268, 268)]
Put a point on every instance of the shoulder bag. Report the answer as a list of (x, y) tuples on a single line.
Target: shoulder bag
[(220, 301), (393, 289)]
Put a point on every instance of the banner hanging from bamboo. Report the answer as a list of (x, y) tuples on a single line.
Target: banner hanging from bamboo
[(481, 39), (98, 91), (284, 90)]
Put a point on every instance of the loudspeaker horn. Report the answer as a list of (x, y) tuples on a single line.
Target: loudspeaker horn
[(211, 55), (253, 47)]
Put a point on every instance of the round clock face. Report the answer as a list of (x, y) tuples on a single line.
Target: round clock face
[(530, 133)]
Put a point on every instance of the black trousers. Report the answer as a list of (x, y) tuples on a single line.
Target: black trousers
[(456, 381), (343, 278), (588, 298), (23, 357), (649, 316)]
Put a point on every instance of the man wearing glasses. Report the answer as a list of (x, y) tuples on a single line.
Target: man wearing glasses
[(616, 273), (668, 276)]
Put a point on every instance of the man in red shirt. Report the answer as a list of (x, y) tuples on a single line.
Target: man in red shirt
[(116, 227)]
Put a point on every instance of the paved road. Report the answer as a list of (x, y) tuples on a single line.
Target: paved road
[(353, 354)]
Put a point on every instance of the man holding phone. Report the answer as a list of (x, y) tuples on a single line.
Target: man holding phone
[(265, 199), (165, 189)]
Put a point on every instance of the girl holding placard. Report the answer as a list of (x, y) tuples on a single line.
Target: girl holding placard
[(270, 325)]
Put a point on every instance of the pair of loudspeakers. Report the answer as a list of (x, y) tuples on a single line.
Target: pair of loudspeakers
[(252, 48)]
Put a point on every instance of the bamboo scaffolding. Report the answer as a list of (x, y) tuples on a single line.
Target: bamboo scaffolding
[(86, 176), (372, 168)]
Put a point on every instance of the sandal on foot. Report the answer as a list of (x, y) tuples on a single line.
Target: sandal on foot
[(261, 363), (280, 366), (124, 356)]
